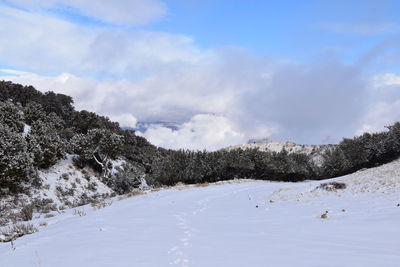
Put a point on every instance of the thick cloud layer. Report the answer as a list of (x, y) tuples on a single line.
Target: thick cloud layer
[(315, 103), (213, 132)]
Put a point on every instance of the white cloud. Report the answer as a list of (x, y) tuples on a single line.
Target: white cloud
[(380, 115), (386, 79), (123, 12), (203, 131), (125, 120), (45, 44), (384, 105)]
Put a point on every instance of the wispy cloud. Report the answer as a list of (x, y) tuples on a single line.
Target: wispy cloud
[(360, 28), (120, 12)]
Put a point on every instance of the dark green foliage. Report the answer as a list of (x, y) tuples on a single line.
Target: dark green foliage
[(51, 102), (83, 121), (127, 178), (16, 163), (355, 151), (171, 169), (138, 149), (33, 112), (11, 116), (201, 166), (365, 151), (59, 104), (97, 148), (18, 93), (45, 144), (335, 162)]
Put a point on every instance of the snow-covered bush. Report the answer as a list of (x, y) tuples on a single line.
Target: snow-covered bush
[(11, 233), (332, 186), (127, 177), (27, 212)]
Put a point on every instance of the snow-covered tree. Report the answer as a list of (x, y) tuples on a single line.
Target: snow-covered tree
[(45, 144), (335, 162), (98, 147), (11, 116), (127, 177), (33, 112), (16, 163)]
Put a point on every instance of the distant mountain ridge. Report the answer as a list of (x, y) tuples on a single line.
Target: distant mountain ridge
[(143, 126), (315, 151)]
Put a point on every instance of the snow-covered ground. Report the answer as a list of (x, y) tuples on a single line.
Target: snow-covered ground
[(238, 223)]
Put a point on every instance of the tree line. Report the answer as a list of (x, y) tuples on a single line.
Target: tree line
[(38, 129)]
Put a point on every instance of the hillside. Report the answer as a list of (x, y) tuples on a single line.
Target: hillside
[(236, 223)]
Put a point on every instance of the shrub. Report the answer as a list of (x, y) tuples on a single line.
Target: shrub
[(79, 213), (11, 233), (127, 178), (332, 186), (27, 213)]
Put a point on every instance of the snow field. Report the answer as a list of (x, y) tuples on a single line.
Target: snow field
[(241, 223)]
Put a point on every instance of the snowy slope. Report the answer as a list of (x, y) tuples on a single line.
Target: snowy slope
[(63, 186), (64, 183), (240, 223)]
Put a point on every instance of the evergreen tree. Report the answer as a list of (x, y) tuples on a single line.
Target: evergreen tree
[(11, 116), (33, 112), (45, 143), (97, 148), (16, 163), (335, 162)]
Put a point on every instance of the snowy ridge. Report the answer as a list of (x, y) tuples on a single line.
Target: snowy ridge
[(234, 223), (315, 151), (279, 146)]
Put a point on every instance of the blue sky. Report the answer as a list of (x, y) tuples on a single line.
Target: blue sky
[(299, 30), (304, 71)]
